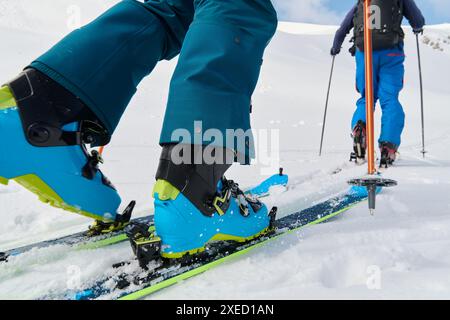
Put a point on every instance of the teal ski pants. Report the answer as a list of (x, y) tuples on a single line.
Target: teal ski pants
[(221, 46)]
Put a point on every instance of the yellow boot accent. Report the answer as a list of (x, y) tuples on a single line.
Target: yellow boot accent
[(180, 255), (226, 237), (217, 237), (47, 195), (165, 190), (6, 98), (4, 181)]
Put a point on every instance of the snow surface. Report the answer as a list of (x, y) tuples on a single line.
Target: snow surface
[(401, 252)]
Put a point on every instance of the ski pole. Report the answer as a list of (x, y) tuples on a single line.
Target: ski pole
[(421, 96), (326, 106), (370, 94), (372, 181)]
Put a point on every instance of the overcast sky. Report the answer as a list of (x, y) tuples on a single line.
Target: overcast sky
[(333, 11)]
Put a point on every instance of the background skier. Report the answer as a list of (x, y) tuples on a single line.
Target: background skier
[(76, 93), (389, 58)]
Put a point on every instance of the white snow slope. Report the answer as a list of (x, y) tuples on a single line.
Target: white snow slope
[(401, 252)]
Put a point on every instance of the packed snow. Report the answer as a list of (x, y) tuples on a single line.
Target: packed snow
[(400, 252)]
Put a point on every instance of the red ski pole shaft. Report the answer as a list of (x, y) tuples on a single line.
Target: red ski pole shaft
[(370, 101)]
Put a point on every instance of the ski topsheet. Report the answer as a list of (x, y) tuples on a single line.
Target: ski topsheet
[(138, 284), (82, 241)]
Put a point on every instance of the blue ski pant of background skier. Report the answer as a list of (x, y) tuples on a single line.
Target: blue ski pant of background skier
[(221, 45), (388, 66)]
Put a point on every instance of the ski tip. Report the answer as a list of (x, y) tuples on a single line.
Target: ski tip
[(273, 212), (128, 212), (131, 205)]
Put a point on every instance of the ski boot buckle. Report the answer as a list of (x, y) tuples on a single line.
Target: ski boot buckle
[(222, 203)]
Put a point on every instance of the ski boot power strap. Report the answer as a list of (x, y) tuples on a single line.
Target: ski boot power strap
[(45, 107)]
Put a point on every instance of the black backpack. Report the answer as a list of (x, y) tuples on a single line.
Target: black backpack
[(390, 34)]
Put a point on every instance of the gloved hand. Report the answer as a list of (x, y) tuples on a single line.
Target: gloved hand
[(418, 31), (335, 51)]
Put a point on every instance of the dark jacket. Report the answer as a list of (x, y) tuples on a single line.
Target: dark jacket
[(410, 12)]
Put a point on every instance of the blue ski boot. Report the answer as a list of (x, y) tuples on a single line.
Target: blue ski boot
[(43, 133), (196, 205)]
